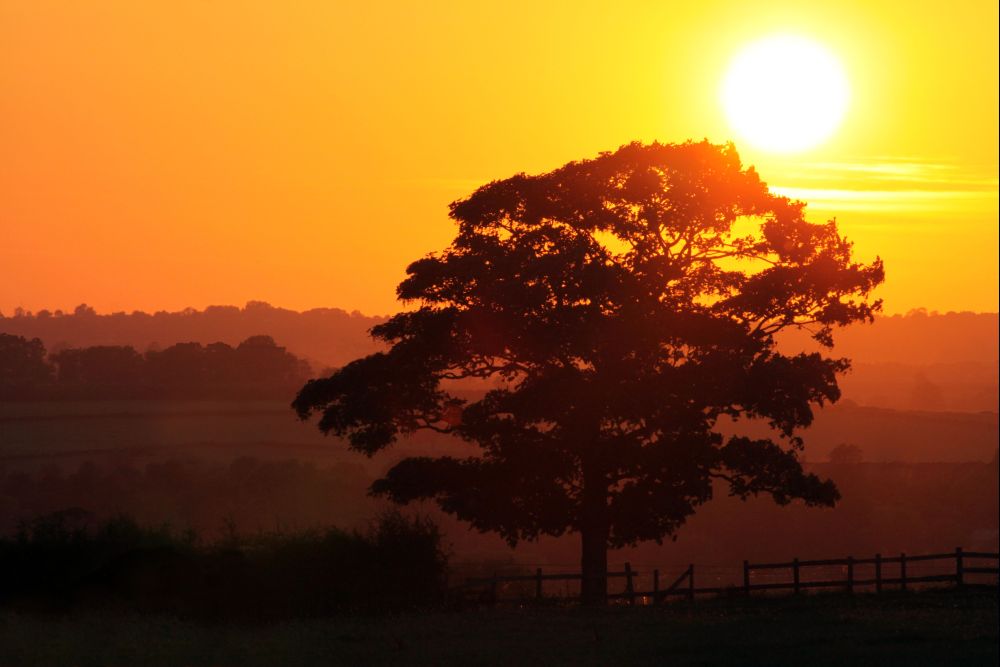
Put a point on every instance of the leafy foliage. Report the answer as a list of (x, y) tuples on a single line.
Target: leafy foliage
[(620, 307)]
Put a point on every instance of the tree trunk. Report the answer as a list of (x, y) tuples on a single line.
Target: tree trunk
[(594, 566), (594, 537)]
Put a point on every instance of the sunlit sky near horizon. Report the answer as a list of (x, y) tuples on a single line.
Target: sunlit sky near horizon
[(158, 155)]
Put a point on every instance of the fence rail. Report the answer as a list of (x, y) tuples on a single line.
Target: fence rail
[(684, 585)]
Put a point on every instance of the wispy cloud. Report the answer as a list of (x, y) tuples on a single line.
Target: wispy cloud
[(889, 185), (878, 185), (826, 199)]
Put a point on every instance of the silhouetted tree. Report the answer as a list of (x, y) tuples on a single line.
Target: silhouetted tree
[(107, 371), (623, 305), (180, 370), (263, 362), (23, 369)]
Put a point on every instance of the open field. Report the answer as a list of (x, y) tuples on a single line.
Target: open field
[(66, 433), (206, 465), (139, 431), (34, 434), (929, 628)]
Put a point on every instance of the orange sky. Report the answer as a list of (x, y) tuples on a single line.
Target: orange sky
[(157, 155)]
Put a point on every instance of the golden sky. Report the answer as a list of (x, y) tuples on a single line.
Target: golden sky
[(164, 154)]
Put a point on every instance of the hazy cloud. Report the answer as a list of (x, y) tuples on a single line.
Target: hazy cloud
[(890, 185)]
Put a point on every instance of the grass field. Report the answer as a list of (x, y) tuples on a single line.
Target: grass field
[(67, 433), (929, 628), (74, 431)]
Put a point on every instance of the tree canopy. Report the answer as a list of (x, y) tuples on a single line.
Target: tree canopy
[(620, 306)]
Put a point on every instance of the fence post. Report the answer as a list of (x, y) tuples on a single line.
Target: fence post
[(878, 573), (656, 586), (746, 578), (795, 574), (959, 567), (850, 574), (902, 570), (691, 582), (538, 584), (629, 590)]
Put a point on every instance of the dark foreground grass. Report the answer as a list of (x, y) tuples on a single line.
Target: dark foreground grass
[(930, 628)]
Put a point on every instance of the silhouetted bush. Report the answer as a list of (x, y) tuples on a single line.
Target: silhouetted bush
[(66, 561), (54, 558), (398, 563)]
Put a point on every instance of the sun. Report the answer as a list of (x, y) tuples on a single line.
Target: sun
[(785, 94)]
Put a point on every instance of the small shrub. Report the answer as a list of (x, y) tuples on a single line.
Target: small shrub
[(65, 560)]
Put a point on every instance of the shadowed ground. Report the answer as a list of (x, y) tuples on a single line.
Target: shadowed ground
[(930, 628)]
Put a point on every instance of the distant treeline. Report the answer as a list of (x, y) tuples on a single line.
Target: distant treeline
[(918, 361), (333, 337), (256, 368), (324, 336)]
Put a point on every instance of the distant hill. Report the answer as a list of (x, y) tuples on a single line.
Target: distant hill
[(917, 338), (885, 435), (967, 386), (919, 361)]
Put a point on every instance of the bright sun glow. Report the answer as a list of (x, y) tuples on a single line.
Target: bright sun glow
[(785, 94)]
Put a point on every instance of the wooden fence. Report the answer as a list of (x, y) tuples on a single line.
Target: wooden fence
[(886, 571)]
